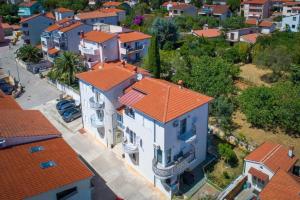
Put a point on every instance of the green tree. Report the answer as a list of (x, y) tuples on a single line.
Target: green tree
[(222, 109), (154, 58), (155, 4), (65, 68), (295, 74), (165, 30), (235, 22), (29, 53), (226, 152), (233, 5)]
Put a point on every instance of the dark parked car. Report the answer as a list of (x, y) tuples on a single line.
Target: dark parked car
[(71, 114), (62, 102), (6, 88), (66, 107)]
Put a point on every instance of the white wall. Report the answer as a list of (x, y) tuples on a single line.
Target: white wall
[(293, 22), (60, 16)]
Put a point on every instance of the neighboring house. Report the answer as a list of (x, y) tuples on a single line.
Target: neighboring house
[(177, 9), (267, 27), (291, 23), (252, 22), (291, 8), (258, 9), (64, 35), (249, 38), (133, 46), (207, 33), (27, 9), (277, 5), (162, 137), (219, 2), (271, 172), (32, 27), (107, 16), (102, 46), (13, 1), (37, 162), (235, 35), (61, 13), (220, 12), (116, 4)]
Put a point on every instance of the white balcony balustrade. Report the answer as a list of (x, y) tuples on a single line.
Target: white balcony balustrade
[(97, 122), (130, 148), (86, 50), (96, 105)]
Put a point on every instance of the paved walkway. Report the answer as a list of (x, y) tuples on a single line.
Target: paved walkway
[(119, 177)]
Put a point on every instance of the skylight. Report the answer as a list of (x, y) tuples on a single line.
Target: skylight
[(45, 165), (36, 149)]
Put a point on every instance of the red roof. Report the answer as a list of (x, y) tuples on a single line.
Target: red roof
[(133, 36), (53, 51), (165, 101), (95, 14), (111, 3), (258, 174), (64, 25), (34, 16), (266, 24), (208, 33), (250, 38), (25, 123), (251, 21), (177, 5), (98, 36), (63, 10), (111, 10), (22, 177), (259, 2), (217, 9), (274, 156), (27, 4), (7, 102), (282, 186)]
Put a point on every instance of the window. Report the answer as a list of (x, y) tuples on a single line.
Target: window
[(175, 11), (45, 165), (36, 149), (293, 26), (159, 155), (168, 155), (66, 193), (294, 18), (183, 126), (129, 112), (25, 25), (132, 137), (50, 24)]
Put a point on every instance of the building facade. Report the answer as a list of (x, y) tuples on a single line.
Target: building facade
[(27, 9), (291, 23), (258, 9), (61, 13)]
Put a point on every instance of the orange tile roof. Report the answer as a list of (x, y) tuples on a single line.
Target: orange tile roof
[(111, 10), (208, 33), (251, 21), (25, 123), (7, 102), (258, 174), (27, 4), (50, 15), (64, 25), (281, 187), (218, 9), (58, 24), (274, 156), (98, 36), (53, 51), (34, 16), (177, 5), (259, 2), (165, 101), (265, 24), (133, 36), (5, 25), (71, 27), (112, 3), (63, 10), (251, 38), (95, 14), (22, 177), (107, 77)]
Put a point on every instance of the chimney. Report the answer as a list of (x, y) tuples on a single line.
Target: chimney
[(291, 151), (123, 63), (81, 34), (180, 83)]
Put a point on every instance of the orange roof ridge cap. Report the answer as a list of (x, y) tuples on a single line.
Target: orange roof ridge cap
[(166, 104), (271, 153)]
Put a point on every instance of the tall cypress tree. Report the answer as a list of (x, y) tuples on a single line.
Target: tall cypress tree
[(154, 58)]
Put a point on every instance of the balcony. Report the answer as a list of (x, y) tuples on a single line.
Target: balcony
[(130, 50), (96, 121), (90, 64), (96, 105), (130, 148), (85, 50), (189, 136), (176, 168)]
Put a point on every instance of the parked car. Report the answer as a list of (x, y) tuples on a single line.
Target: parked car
[(66, 107), (71, 114), (62, 102), (6, 88)]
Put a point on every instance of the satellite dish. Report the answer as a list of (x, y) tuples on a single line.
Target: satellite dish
[(139, 76)]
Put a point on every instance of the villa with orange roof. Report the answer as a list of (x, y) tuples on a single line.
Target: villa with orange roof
[(291, 8), (270, 172), (105, 46), (64, 35), (32, 27), (258, 9), (220, 12), (161, 126)]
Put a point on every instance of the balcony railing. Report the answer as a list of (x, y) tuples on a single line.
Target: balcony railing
[(130, 148), (96, 105), (90, 64), (189, 136), (175, 168), (130, 50), (96, 121), (85, 50)]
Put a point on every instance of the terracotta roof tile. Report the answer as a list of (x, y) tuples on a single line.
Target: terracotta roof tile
[(50, 15), (98, 36), (251, 21), (258, 174), (250, 38), (63, 10), (64, 25), (265, 24), (58, 24), (274, 156), (111, 10), (34, 16), (95, 14), (165, 101), (27, 4), (23, 177), (281, 187), (25, 123), (217, 9), (7, 102), (133, 36), (259, 2), (53, 51), (178, 5), (112, 3), (208, 33)]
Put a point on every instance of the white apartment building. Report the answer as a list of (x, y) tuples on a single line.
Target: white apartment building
[(291, 23), (101, 46), (61, 13), (163, 125), (64, 35), (291, 8), (258, 9), (177, 9)]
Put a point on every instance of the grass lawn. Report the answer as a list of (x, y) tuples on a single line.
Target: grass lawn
[(252, 74)]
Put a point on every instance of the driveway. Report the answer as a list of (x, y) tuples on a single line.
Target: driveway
[(118, 177), (37, 91)]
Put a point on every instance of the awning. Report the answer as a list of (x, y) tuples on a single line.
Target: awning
[(131, 97), (258, 174)]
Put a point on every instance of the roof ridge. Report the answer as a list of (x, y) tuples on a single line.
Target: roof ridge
[(167, 103), (271, 153)]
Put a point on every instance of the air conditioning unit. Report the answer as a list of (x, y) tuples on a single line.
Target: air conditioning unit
[(175, 123)]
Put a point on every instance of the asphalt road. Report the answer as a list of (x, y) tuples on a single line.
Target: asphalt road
[(37, 91)]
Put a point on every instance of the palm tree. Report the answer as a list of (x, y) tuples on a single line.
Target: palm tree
[(29, 53), (65, 67)]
